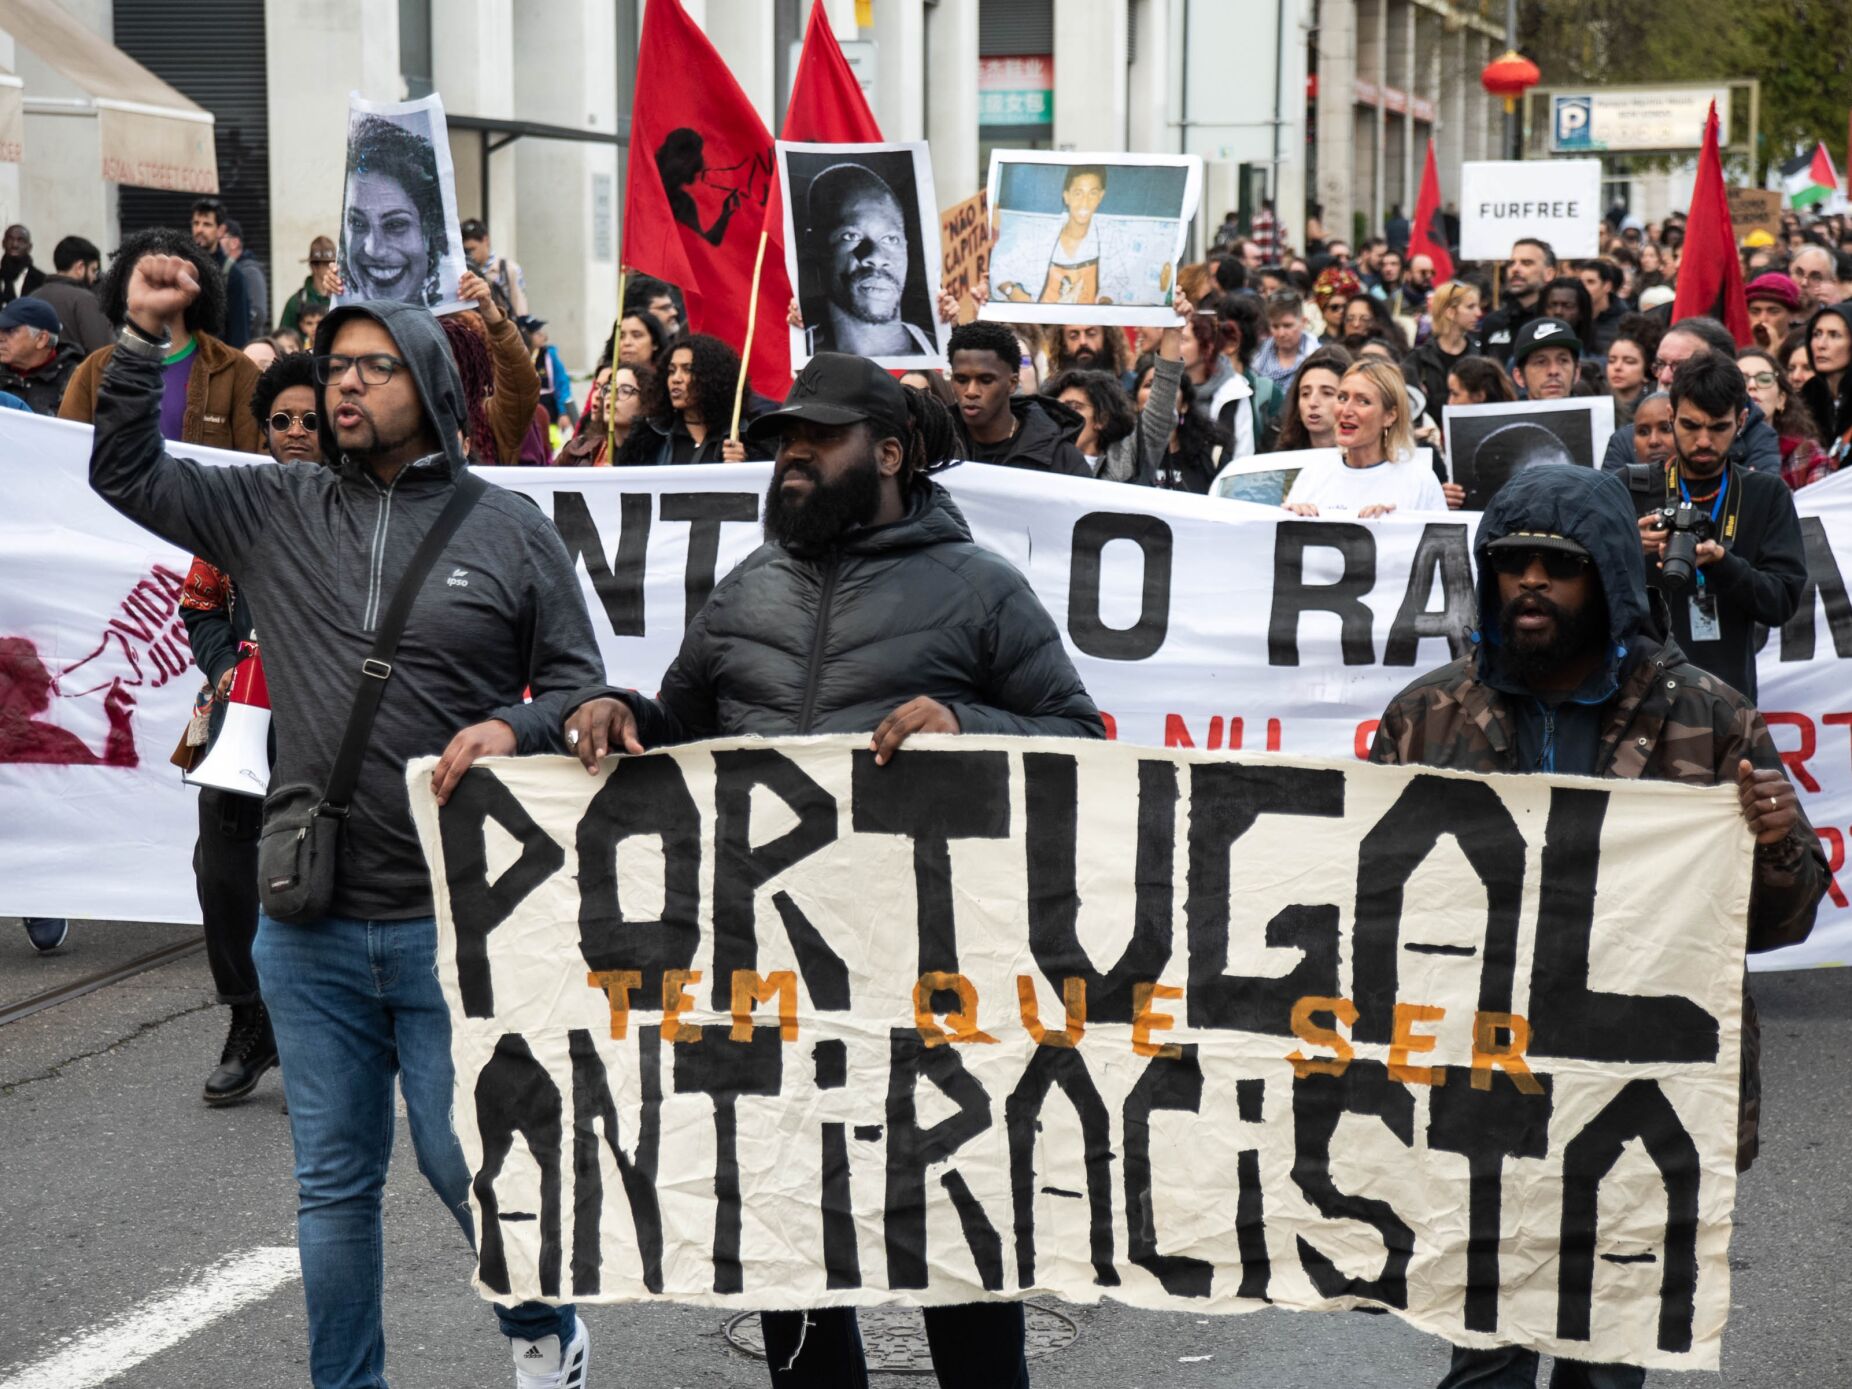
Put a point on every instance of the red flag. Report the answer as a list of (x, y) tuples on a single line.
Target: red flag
[(826, 108), (700, 175), (1710, 275), (1421, 238)]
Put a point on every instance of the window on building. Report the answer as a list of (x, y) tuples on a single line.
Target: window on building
[(415, 65), (1016, 76)]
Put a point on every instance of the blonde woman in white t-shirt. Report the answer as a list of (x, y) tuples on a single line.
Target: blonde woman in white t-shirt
[(1376, 471)]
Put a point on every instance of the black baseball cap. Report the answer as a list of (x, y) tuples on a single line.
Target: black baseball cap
[(837, 388), (1540, 333), (30, 313), (1538, 540)]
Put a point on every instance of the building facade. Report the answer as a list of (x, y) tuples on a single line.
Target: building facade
[(1326, 102)]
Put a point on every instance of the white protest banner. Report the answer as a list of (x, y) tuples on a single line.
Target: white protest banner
[(1195, 622), (761, 1024), (1552, 200)]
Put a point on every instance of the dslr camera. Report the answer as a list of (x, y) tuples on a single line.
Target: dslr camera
[(1686, 527)]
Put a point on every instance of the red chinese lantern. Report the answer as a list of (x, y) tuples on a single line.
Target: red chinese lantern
[(1510, 76)]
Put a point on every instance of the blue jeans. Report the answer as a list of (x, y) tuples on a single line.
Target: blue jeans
[(352, 1004), (1512, 1367)]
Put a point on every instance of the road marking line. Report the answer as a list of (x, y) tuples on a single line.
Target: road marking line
[(161, 1323)]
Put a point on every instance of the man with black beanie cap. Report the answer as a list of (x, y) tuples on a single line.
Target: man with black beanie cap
[(353, 997), (868, 610)]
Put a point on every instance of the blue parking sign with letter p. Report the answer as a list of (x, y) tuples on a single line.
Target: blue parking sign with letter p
[(1572, 118)]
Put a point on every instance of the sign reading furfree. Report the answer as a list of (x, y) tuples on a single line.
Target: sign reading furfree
[(1557, 201)]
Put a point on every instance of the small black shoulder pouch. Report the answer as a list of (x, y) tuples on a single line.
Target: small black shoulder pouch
[(301, 842)]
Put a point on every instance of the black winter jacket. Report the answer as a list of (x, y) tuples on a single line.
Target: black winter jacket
[(656, 442), (1499, 329), (1428, 367), (42, 388), (1044, 439), (1759, 580), (320, 550), (834, 642)]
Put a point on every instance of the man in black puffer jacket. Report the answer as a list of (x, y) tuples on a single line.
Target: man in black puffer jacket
[(867, 609)]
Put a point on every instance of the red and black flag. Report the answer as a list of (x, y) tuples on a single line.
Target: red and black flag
[(701, 174)]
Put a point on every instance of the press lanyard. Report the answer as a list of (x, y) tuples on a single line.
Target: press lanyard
[(1723, 486)]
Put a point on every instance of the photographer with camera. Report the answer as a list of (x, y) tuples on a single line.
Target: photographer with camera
[(1722, 542)]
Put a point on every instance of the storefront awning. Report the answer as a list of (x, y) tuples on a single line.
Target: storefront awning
[(150, 135)]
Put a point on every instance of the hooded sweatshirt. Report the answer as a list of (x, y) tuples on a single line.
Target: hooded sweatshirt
[(1044, 439), (1663, 719), (1562, 734), (320, 552)]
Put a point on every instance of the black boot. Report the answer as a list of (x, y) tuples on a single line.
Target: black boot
[(250, 1050)]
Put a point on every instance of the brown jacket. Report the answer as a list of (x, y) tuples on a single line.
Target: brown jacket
[(218, 396), (1669, 721), (517, 392)]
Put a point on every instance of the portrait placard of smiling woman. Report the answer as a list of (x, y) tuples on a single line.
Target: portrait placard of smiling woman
[(399, 236)]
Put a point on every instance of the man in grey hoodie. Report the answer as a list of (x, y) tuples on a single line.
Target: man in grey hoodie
[(319, 550)]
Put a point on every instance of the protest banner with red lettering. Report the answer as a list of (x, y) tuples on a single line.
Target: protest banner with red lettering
[(1195, 622)]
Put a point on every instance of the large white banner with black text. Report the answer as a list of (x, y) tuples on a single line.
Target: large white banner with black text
[(764, 1024), (1195, 622)]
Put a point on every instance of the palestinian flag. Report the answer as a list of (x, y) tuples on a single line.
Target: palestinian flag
[(1809, 179)]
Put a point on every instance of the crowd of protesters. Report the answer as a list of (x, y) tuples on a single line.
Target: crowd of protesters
[(1351, 352)]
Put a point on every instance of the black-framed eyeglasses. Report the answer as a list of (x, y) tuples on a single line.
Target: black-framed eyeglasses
[(376, 368), (1661, 366), (1762, 378), (282, 420), (1558, 564)]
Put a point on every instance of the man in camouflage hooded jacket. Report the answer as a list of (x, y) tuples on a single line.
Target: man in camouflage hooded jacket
[(1571, 673)]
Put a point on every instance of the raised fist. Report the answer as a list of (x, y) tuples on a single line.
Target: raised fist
[(161, 289)]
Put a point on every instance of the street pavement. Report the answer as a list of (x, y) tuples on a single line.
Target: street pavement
[(128, 1210)]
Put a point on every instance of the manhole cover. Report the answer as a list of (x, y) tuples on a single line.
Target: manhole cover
[(894, 1338)]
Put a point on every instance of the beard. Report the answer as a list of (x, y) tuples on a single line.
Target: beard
[(1085, 358), (1529, 657), (830, 511), (872, 295)]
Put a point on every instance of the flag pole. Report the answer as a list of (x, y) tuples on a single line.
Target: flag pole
[(752, 327), (617, 332)]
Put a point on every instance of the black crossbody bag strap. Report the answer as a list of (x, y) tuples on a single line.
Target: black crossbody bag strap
[(376, 670)]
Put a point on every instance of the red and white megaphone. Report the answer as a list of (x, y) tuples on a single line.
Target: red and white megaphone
[(239, 761)]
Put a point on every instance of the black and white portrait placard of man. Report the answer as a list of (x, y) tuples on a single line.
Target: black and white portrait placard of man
[(1487, 443), (399, 229), (866, 279)]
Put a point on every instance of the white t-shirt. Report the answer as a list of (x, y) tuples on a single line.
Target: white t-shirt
[(1407, 484)]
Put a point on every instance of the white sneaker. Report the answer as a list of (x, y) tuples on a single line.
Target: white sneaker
[(540, 1365)]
